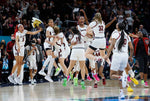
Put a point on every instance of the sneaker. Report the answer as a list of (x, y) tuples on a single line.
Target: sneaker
[(11, 79), (58, 70), (135, 81), (65, 82), (48, 78), (128, 78), (146, 84), (17, 80), (104, 81), (89, 79), (129, 89), (71, 75), (124, 79), (41, 72), (95, 85), (75, 81), (142, 82), (122, 96), (32, 82), (96, 77), (82, 84)]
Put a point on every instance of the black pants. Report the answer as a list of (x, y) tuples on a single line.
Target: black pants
[(143, 64), (10, 65)]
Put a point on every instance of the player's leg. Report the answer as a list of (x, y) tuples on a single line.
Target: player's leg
[(49, 53), (82, 66)]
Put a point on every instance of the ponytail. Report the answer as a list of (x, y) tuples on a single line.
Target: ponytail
[(98, 17), (121, 27), (121, 42), (16, 30)]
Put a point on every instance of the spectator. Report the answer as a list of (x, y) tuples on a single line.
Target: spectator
[(58, 22), (141, 28), (36, 12), (9, 49), (2, 54), (141, 54), (130, 22)]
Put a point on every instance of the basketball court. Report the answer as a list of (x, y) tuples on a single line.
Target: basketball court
[(56, 92)]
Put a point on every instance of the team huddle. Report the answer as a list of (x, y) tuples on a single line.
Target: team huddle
[(88, 42)]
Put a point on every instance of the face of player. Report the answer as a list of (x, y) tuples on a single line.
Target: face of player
[(51, 23), (117, 26), (21, 28), (81, 21)]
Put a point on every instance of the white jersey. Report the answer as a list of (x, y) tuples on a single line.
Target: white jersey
[(117, 35), (22, 37), (51, 32), (87, 41), (33, 53), (60, 44), (80, 43), (98, 29)]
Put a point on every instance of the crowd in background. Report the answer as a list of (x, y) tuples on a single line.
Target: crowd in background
[(134, 13)]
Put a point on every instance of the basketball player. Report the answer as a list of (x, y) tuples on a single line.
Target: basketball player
[(32, 53), (62, 49), (77, 54), (119, 45), (48, 46), (19, 51)]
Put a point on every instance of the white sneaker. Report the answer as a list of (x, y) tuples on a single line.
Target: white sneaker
[(41, 72), (17, 80), (122, 96), (124, 79), (32, 81), (11, 79), (48, 78)]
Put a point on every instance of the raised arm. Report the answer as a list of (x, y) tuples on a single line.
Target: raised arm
[(85, 17), (108, 24), (35, 32)]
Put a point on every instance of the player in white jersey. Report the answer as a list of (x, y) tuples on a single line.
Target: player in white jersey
[(48, 46), (19, 51), (119, 45), (62, 49), (77, 54), (32, 54)]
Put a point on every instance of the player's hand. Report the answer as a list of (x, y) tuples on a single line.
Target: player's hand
[(81, 10), (130, 59), (106, 57), (40, 29), (115, 18)]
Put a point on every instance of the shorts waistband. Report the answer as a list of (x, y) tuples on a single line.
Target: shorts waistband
[(78, 48), (99, 37)]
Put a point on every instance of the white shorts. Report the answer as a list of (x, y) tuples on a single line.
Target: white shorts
[(65, 53), (47, 46), (99, 43), (119, 61), (16, 53), (78, 55), (32, 64)]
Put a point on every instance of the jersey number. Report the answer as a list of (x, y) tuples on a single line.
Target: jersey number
[(100, 28)]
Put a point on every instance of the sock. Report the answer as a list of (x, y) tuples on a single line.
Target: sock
[(94, 72), (131, 73), (50, 66), (82, 80), (121, 90), (87, 75), (103, 77), (95, 81), (47, 61)]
